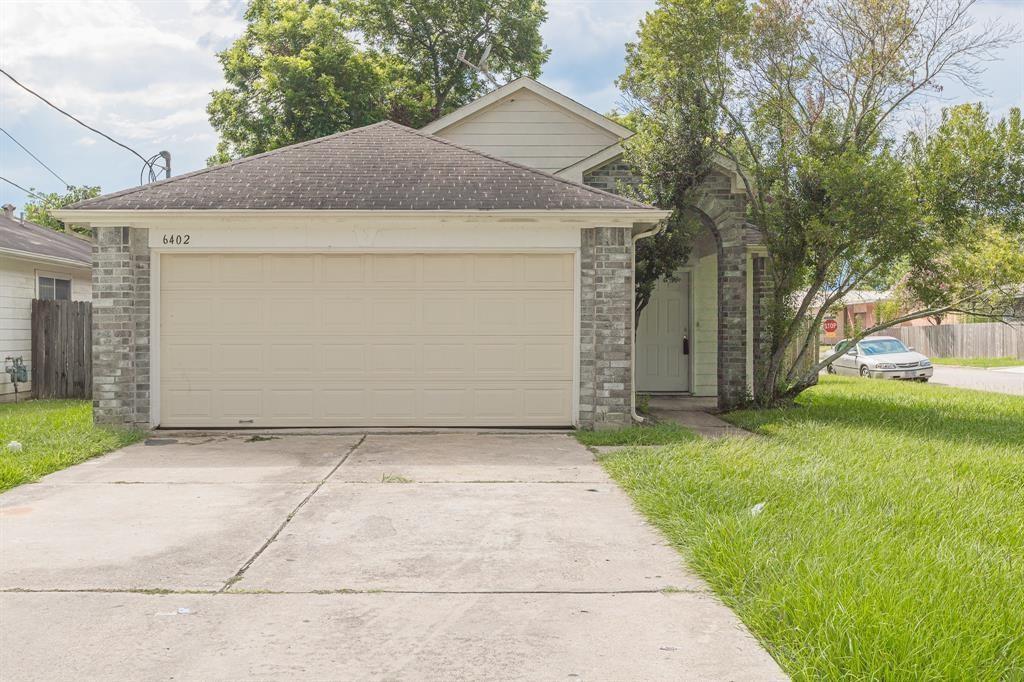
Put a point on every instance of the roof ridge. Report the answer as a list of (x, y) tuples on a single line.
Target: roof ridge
[(235, 162), (535, 171)]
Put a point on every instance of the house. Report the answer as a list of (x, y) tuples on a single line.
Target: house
[(697, 335), (35, 262), (385, 276), (860, 309)]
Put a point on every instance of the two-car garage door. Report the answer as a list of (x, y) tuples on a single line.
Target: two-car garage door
[(467, 339)]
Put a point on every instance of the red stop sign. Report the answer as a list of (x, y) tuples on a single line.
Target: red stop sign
[(831, 326)]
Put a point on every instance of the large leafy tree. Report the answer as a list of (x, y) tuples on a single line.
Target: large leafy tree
[(298, 73), (429, 35), (308, 68), (675, 118), (808, 97), (40, 209)]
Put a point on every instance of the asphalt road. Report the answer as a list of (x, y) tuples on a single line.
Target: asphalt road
[(1009, 381)]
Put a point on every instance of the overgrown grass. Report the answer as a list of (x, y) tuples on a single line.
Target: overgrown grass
[(891, 542), (979, 362), (656, 434), (54, 434)]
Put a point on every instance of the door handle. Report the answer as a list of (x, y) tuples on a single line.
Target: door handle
[(686, 345)]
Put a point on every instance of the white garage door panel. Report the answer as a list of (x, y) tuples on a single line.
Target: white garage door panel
[(334, 340)]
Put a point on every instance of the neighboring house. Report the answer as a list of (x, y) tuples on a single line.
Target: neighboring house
[(35, 262), (859, 310), (389, 277)]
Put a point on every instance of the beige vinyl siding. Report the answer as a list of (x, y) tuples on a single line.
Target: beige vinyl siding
[(17, 289), (455, 339), (530, 130)]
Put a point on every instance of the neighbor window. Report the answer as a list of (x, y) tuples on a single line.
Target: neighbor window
[(54, 289)]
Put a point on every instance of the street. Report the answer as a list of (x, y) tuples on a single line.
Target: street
[(1006, 380)]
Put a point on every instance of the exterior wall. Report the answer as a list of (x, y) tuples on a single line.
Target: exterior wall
[(616, 177), (18, 284), (530, 130), (606, 327), (761, 291), (704, 264), (722, 206), (120, 333)]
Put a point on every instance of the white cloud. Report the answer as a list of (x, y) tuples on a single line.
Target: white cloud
[(142, 71)]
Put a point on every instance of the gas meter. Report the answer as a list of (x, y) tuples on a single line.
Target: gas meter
[(16, 369)]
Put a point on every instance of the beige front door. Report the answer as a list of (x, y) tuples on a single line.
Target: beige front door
[(663, 340), (366, 339)]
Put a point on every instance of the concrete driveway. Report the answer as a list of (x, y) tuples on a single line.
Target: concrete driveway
[(444, 556)]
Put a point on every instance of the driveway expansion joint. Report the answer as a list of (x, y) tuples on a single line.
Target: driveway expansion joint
[(156, 591), (240, 573)]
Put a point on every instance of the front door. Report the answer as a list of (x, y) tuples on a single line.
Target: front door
[(663, 339)]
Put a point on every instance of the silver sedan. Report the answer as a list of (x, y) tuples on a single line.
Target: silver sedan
[(882, 357)]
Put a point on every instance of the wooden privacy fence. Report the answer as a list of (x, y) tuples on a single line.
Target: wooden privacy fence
[(61, 349), (980, 340)]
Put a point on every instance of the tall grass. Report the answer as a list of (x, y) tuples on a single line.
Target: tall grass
[(891, 541), (54, 434)]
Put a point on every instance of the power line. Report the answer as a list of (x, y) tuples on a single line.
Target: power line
[(76, 120), (52, 172), (26, 191)]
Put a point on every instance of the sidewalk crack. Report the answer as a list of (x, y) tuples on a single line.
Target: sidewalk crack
[(240, 573)]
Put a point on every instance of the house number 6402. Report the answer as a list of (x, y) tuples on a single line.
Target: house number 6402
[(177, 239)]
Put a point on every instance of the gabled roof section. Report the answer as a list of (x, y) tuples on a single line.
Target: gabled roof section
[(544, 91), (614, 151), (31, 240), (384, 166)]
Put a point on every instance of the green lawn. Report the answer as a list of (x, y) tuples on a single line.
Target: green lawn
[(979, 362), (891, 541), (655, 434), (54, 434)]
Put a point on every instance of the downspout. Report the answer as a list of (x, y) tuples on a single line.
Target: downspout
[(632, 337)]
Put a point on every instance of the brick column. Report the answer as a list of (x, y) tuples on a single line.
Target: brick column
[(120, 326), (732, 325), (606, 327), (762, 292)]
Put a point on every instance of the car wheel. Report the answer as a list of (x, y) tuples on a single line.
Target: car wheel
[(864, 372)]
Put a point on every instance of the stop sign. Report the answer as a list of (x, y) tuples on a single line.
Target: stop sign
[(831, 326)]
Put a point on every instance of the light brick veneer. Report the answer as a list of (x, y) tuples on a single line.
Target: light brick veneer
[(606, 327), (120, 326), (723, 209)]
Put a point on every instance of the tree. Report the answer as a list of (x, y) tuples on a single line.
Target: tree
[(428, 36), (298, 73), (675, 118), (308, 68), (810, 95), (40, 210)]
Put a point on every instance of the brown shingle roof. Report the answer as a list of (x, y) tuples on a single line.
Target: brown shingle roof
[(384, 166), (38, 240)]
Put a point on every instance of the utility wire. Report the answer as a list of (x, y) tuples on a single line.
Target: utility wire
[(76, 120), (26, 191), (52, 172)]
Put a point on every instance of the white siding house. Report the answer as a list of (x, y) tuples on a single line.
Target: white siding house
[(35, 262)]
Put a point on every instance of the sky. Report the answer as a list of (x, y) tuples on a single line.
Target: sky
[(141, 71)]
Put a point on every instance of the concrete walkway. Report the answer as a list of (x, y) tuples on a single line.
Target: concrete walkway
[(695, 414), (453, 556)]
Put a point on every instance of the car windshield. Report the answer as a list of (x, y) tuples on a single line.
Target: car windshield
[(882, 347)]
